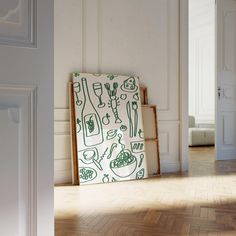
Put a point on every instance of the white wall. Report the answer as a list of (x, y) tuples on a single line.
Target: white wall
[(202, 60), (126, 37)]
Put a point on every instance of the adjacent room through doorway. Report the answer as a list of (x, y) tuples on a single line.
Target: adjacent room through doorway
[(202, 81)]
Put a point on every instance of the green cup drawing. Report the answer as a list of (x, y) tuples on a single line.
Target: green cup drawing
[(97, 88)]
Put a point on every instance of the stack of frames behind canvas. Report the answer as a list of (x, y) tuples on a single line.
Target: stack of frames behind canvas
[(151, 163)]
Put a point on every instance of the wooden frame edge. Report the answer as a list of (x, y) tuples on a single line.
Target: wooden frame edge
[(157, 137), (75, 174)]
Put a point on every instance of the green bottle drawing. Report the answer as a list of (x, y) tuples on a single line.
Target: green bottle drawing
[(92, 125)]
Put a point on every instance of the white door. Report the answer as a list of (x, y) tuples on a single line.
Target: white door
[(26, 117), (226, 80)]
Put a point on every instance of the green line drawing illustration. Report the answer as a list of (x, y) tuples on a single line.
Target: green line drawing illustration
[(90, 156), (114, 100), (76, 74), (113, 179), (123, 96), (106, 119), (129, 85), (78, 121), (113, 146), (109, 137), (124, 164), (103, 155), (97, 89), (137, 146), (111, 76), (136, 97), (123, 128), (111, 134), (77, 90), (105, 178), (135, 109), (91, 122), (87, 174), (119, 141), (141, 160), (140, 174), (141, 134), (128, 109)]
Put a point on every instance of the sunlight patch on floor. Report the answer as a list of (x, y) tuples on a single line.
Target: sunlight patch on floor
[(158, 193)]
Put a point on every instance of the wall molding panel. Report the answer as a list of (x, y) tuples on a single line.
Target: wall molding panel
[(168, 135), (19, 102), (18, 23), (62, 143), (229, 38)]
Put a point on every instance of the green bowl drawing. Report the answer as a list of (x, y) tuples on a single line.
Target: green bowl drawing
[(124, 165)]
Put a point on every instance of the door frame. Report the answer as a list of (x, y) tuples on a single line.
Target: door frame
[(183, 75)]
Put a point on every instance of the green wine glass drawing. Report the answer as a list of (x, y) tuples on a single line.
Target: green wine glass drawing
[(97, 88), (77, 90)]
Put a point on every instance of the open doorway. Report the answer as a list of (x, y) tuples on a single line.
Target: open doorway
[(201, 83)]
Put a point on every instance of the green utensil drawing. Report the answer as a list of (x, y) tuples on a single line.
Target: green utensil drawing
[(113, 101), (91, 122), (113, 146), (135, 109), (128, 109), (113, 179), (103, 155), (97, 89), (141, 134), (141, 160)]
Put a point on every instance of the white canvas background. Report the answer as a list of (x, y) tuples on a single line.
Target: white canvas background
[(94, 161)]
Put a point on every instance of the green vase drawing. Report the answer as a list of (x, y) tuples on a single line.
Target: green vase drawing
[(91, 122)]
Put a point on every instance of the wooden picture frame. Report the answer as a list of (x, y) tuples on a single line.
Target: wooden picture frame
[(155, 137)]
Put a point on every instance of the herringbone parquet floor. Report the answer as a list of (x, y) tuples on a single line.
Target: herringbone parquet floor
[(200, 203)]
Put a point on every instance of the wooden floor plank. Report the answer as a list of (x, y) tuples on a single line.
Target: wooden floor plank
[(202, 202)]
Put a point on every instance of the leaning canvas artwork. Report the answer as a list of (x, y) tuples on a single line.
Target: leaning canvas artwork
[(109, 128)]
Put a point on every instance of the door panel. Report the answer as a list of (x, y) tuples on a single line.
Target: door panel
[(26, 117), (226, 80), (9, 197)]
